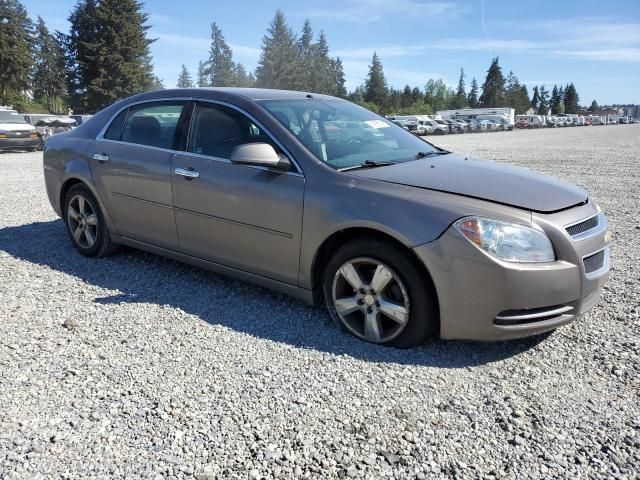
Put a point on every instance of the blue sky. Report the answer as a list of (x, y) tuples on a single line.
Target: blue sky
[(594, 43)]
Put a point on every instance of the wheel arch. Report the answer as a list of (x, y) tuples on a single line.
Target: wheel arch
[(72, 180), (339, 238)]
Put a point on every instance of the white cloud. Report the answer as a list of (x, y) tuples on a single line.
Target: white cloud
[(201, 44), (368, 11), (629, 55)]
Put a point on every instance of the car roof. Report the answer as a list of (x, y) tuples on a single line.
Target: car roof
[(253, 94)]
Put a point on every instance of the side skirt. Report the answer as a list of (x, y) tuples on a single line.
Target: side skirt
[(297, 292)]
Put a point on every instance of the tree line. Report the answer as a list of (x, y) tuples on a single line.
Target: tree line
[(106, 56)]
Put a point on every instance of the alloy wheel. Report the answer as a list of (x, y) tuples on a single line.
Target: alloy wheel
[(83, 221), (370, 299)]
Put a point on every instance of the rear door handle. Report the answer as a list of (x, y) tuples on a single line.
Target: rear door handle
[(101, 157), (187, 173)]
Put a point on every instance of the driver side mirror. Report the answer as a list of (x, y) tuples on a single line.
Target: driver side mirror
[(261, 155)]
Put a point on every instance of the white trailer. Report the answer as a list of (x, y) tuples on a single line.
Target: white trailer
[(473, 113)]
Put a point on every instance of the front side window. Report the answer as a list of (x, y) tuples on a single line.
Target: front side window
[(216, 130), (153, 124), (343, 134)]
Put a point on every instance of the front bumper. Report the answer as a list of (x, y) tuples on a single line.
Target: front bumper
[(18, 143), (482, 298)]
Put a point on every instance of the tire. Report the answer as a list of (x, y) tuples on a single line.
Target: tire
[(84, 221), (409, 290)]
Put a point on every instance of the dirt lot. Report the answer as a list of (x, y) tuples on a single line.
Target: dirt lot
[(136, 366)]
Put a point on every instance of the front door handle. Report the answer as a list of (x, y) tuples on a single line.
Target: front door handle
[(101, 157), (188, 173)]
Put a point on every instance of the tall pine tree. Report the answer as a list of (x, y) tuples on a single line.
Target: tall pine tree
[(375, 86), (48, 84), (460, 99), (220, 68), (340, 90), (184, 79), (543, 106), (16, 55), (109, 51), (203, 80), (473, 99), (571, 99), (278, 66), (493, 87), (535, 100)]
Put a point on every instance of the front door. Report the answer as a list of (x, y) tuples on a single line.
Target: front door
[(131, 166), (240, 216)]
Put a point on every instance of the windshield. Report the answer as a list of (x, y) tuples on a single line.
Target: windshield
[(345, 135), (8, 117)]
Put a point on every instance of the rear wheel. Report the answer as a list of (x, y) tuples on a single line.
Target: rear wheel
[(374, 291), (85, 223)]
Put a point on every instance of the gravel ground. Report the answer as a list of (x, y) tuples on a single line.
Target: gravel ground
[(136, 366)]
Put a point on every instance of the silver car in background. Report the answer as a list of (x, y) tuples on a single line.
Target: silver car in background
[(324, 200)]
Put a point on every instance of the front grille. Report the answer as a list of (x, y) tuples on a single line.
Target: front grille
[(19, 134), (583, 227), (594, 262)]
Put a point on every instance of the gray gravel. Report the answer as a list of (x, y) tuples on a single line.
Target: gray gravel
[(139, 367)]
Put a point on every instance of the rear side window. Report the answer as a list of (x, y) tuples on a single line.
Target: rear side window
[(153, 124), (115, 129), (217, 130)]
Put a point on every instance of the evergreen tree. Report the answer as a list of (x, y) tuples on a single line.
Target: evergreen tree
[(322, 73), (184, 79), (109, 50), (306, 53), (406, 99), (535, 100), (493, 87), (203, 80), (416, 95), (472, 99), (16, 58), (242, 79), (340, 90), (515, 95), (48, 83), (155, 83), (523, 101), (571, 99), (375, 86), (594, 107), (219, 68), (543, 106), (278, 66), (555, 100), (460, 99), (79, 47)]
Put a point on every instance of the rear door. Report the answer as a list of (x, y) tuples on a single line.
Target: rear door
[(245, 217), (131, 165)]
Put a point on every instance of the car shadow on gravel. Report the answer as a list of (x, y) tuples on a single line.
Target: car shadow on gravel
[(139, 277)]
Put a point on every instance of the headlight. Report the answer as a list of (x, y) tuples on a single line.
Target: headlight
[(507, 241)]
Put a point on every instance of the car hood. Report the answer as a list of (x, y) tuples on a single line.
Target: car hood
[(486, 180), (15, 127)]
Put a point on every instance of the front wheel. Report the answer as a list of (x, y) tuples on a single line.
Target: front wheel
[(85, 223), (376, 292)]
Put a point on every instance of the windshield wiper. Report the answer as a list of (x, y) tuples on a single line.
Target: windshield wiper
[(367, 164), (420, 155)]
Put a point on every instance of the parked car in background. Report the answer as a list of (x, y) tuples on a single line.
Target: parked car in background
[(489, 125), (454, 127), (16, 133), (522, 123), (477, 126), (432, 127), (80, 119), (400, 239)]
